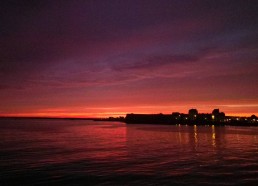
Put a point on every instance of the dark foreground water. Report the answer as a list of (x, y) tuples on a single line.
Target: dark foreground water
[(63, 152)]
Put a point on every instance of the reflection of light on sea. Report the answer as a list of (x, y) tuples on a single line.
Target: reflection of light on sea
[(195, 136), (179, 134), (213, 136)]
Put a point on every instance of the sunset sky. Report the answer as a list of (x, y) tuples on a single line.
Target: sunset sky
[(98, 58)]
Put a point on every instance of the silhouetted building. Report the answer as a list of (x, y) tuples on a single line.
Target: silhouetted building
[(218, 116), (253, 118), (215, 112), (193, 113), (176, 115)]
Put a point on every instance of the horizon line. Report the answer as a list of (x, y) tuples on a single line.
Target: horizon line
[(14, 116)]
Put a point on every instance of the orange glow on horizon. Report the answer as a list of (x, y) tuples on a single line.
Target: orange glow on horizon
[(78, 111), (102, 114)]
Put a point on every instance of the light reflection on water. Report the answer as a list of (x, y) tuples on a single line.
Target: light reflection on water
[(40, 152)]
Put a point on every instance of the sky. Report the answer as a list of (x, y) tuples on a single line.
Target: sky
[(100, 58)]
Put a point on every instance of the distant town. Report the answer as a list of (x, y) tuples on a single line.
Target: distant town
[(192, 118)]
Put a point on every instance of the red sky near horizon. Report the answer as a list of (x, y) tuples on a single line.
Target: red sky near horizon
[(108, 58)]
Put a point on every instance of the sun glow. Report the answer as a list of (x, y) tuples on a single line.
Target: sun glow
[(116, 111)]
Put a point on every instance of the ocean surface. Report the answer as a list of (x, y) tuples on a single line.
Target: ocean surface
[(81, 152)]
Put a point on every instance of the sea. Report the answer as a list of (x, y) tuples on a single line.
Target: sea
[(83, 152)]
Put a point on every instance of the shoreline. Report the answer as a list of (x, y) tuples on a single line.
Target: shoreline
[(189, 123)]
